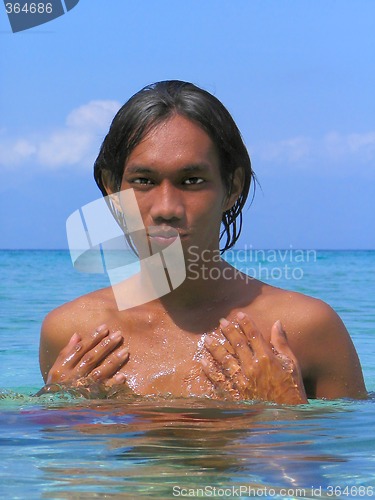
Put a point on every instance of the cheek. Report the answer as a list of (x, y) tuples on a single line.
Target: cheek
[(219, 201), (209, 210), (134, 207)]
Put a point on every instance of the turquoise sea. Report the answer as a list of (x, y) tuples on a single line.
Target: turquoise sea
[(61, 446)]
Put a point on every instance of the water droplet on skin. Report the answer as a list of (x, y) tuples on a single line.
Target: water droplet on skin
[(163, 373), (131, 382), (200, 348)]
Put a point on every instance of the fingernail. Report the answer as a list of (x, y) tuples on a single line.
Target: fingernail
[(120, 377), (279, 326), (224, 322), (204, 362), (240, 315), (75, 338), (115, 335), (102, 328), (123, 352), (208, 340)]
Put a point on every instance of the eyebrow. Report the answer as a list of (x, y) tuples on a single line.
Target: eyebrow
[(188, 169)]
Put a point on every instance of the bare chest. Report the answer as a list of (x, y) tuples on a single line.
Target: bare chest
[(164, 360)]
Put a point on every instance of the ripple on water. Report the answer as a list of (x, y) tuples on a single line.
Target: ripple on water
[(70, 446)]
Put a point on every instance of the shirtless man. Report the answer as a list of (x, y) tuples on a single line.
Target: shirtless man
[(232, 337)]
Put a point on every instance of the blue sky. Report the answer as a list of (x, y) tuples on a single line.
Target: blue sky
[(298, 77)]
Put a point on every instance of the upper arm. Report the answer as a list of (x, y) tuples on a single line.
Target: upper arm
[(328, 355), (55, 334)]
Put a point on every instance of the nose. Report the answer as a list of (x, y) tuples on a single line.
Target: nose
[(167, 204)]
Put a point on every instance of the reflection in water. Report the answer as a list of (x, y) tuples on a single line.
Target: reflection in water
[(58, 446), (144, 448)]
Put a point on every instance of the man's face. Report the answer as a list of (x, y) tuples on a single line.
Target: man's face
[(175, 175)]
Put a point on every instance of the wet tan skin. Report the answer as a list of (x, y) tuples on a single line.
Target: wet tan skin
[(274, 345)]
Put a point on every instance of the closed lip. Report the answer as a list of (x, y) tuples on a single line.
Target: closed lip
[(169, 233)]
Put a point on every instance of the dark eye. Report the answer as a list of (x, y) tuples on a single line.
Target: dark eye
[(193, 181), (141, 180)]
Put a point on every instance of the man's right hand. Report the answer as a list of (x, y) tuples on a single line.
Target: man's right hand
[(95, 359)]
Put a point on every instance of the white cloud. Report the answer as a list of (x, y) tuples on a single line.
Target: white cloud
[(361, 146), (76, 143), (13, 152), (92, 115), (290, 150), (340, 152), (65, 147)]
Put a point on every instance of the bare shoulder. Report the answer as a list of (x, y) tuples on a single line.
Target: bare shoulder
[(81, 316), (80, 312), (294, 307), (302, 312), (320, 341)]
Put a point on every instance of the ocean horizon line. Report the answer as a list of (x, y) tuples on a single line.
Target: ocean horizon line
[(251, 248)]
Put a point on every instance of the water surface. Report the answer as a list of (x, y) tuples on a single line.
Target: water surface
[(63, 446)]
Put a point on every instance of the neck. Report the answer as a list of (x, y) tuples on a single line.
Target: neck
[(207, 281)]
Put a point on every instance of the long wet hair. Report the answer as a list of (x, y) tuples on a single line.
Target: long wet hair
[(155, 104)]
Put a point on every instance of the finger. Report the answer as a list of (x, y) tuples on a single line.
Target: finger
[(253, 335), (225, 388), (239, 343), (215, 376), (93, 357), (64, 361), (73, 352), (75, 338), (95, 337), (280, 342), (69, 348), (63, 368), (118, 378), (227, 363), (218, 335), (111, 365)]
